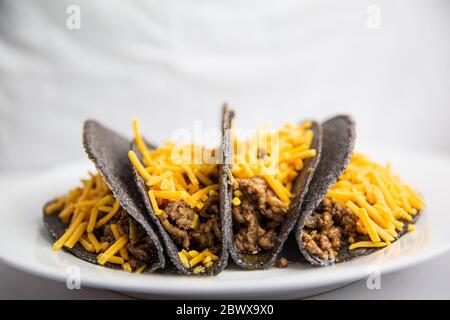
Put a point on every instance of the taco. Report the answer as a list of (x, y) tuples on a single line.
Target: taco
[(354, 206), (103, 221), (180, 186), (268, 178)]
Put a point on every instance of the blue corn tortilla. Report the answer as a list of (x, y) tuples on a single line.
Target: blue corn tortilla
[(339, 137)]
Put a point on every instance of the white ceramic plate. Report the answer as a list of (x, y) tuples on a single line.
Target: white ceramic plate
[(25, 244)]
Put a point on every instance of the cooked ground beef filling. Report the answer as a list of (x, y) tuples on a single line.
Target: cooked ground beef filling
[(258, 216), (328, 229), (140, 247), (178, 218)]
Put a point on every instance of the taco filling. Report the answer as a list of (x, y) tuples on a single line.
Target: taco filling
[(264, 171), (182, 183), (96, 221), (368, 207)]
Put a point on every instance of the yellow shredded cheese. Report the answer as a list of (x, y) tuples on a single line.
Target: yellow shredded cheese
[(237, 193), (84, 210), (278, 188), (138, 165), (378, 198), (86, 244), (191, 175), (126, 267), (158, 179), (195, 221), (202, 177), (73, 226), (108, 217), (283, 153), (206, 260), (139, 141), (361, 213), (203, 192), (195, 259), (198, 269), (76, 235), (211, 255), (170, 195), (94, 242), (192, 253), (140, 269), (67, 212), (112, 259), (104, 209), (154, 203), (55, 206), (368, 244), (123, 251), (112, 250), (184, 259)]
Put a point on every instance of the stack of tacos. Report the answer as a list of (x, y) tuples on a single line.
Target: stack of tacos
[(194, 206)]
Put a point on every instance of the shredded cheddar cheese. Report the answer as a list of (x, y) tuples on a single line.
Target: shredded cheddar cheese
[(277, 157), (189, 181), (86, 244), (368, 244), (86, 209), (140, 269), (199, 260), (55, 206), (381, 202), (112, 250), (236, 201)]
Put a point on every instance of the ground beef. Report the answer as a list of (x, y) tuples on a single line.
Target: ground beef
[(266, 239), (258, 216), (208, 233), (203, 236), (106, 234), (181, 213), (247, 236), (328, 228), (282, 263), (211, 207), (179, 236), (177, 220), (140, 248), (140, 252)]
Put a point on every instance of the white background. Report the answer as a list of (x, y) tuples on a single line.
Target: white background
[(171, 63)]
